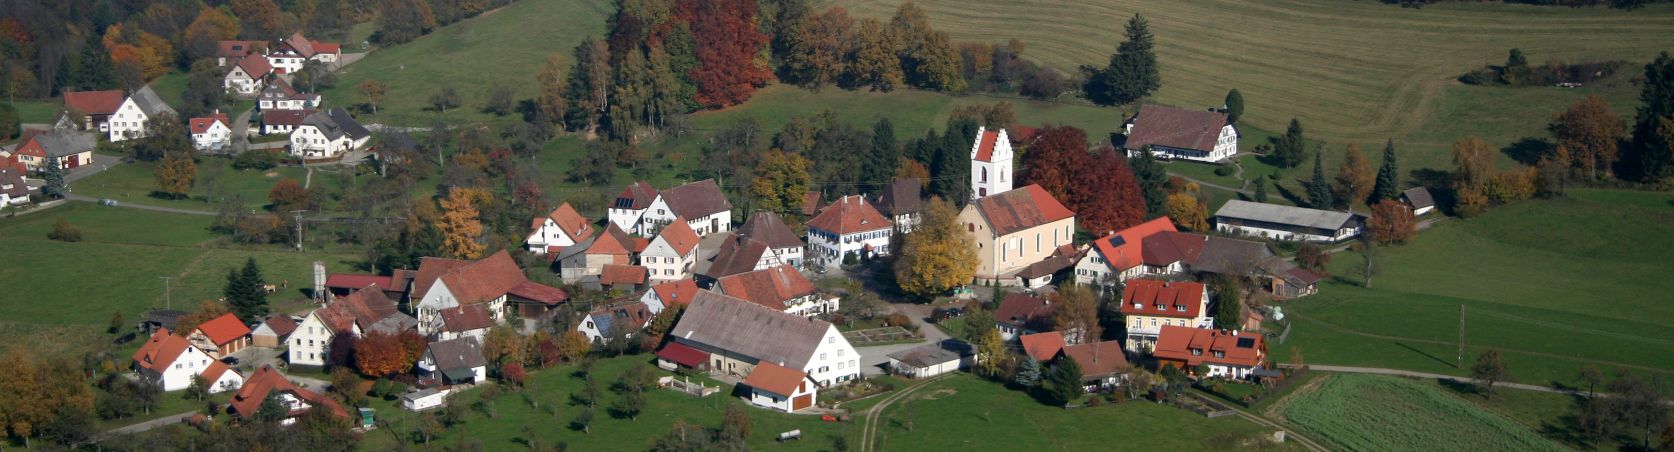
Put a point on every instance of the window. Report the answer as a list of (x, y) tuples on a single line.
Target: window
[(831, 340), (839, 353), (1180, 307), (839, 365), (822, 357), (1153, 322)]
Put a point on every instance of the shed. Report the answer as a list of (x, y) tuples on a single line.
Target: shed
[(931, 360), (1419, 200), (424, 399)]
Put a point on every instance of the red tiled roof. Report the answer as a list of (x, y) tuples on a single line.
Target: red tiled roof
[(201, 125), (676, 292), (224, 329), (1176, 128), (614, 274), (213, 373), (357, 281), (1167, 247), (291, 118), (1238, 349), (238, 49), (363, 307), (850, 214), (484, 280), (679, 236), (683, 354), (1124, 250), (281, 324), (161, 350), (570, 221), (1042, 346), (327, 47), (266, 380), (255, 66), (1021, 209), (811, 202), (614, 241), (770, 287), (1024, 311), (303, 46), (696, 199), (539, 292), (639, 195), (1098, 359), (431, 269), (985, 145), (464, 318), (1178, 299), (775, 378), (94, 102)]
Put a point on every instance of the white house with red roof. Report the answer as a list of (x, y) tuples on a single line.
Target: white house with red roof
[(1200, 135), (781, 288), (279, 95), (990, 163), (1016, 229), (230, 51), (96, 107), (495, 282), (848, 226), (1152, 248), (779, 387), (295, 51), (248, 76), (1151, 304), (355, 314), (221, 336), (630, 205), (210, 133), (669, 294), (673, 254), (561, 228), (1226, 353), (702, 204), (170, 361), (783, 358), (604, 323)]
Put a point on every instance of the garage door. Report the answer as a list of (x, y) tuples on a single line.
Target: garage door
[(801, 402)]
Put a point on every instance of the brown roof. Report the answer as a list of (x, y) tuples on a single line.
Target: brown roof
[(1228, 256), (1176, 128), (161, 350), (679, 236), (901, 196), (849, 214), (1042, 346), (1025, 311), (1177, 298), (302, 45), (1098, 359), (743, 328), (676, 292), (1419, 197), (775, 378), (255, 66), (639, 195), (224, 329), (94, 102), (1167, 247), (460, 319), (484, 280), (570, 221), (363, 307), (769, 228), (1021, 209), (238, 49), (201, 125), (613, 241), (266, 380), (1238, 349), (770, 287), (282, 324), (13, 177), (614, 274), (534, 291), (811, 202), (632, 316), (696, 199), (291, 118), (738, 254), (430, 269)]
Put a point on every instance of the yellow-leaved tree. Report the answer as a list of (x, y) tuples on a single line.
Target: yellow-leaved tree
[(460, 225), (781, 181), (938, 256)]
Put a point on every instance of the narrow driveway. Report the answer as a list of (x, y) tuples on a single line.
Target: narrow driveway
[(241, 131), (129, 205), (1427, 375), (147, 425), (98, 165), (873, 360)]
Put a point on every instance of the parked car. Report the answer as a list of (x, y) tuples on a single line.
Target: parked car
[(107, 202), (230, 360)]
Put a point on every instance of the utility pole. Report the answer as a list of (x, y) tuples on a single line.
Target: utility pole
[(1460, 363), (298, 215), (168, 295)]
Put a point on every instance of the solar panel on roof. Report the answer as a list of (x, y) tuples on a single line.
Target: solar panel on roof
[(1117, 241), (1245, 342)]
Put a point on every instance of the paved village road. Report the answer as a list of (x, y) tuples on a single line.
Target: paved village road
[(144, 426), (129, 205)]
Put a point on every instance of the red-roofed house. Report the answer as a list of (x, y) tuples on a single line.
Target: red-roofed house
[(669, 294), (1205, 136), (1016, 229), (221, 336), (355, 314), (472, 320), (283, 121), (212, 132), (227, 52), (1021, 314), (780, 388), (672, 255), (221, 378), (1152, 248), (626, 278), (848, 226), (170, 361), (1227, 353), (561, 228), (625, 212), (990, 163), (1102, 363), (95, 107), (247, 77), (1042, 346), (491, 281), (1150, 304), (587, 258), (702, 204), (781, 288), (289, 56), (296, 400)]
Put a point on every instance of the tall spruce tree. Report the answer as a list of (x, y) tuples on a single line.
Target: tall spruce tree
[(56, 186), (1387, 185), (1234, 105), (1064, 384), (1654, 146), (1319, 191), (884, 155), (1290, 149), (952, 170), (1132, 73), (1152, 179), (1260, 190), (245, 294)]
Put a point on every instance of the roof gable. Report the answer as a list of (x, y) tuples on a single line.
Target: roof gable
[(224, 329), (94, 102), (849, 214), (751, 330), (770, 229), (1098, 359), (1286, 215), (697, 199), (637, 196), (487, 279), (202, 125), (775, 378), (772, 287), (901, 196), (1021, 209), (676, 292), (1042, 346), (1178, 299), (679, 236), (161, 350)]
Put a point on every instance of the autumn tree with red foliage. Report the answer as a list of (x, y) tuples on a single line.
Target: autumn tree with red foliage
[(513, 374), (727, 42), (1106, 197), (1391, 222), (381, 354), (1053, 160)]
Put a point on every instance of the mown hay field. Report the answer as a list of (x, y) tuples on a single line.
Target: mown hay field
[(1367, 412)]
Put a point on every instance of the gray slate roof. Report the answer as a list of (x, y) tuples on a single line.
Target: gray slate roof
[(1288, 215), (749, 329), (1419, 197), (459, 353), (336, 123), (901, 196), (932, 354), (61, 143), (148, 102)]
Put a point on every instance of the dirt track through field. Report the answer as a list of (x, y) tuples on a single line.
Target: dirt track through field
[(869, 432)]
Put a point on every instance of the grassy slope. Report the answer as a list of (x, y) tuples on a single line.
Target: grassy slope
[(967, 413), (504, 47), (1365, 412), (133, 183), (64, 296), (1585, 285)]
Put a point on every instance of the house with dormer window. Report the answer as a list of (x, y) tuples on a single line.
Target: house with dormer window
[(1151, 304), (848, 227)]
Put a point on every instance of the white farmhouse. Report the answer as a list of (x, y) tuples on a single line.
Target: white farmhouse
[(212, 133), (1204, 136), (291, 54), (13, 190), (247, 77), (990, 163), (703, 206), (669, 294), (132, 118), (279, 95), (672, 255), (328, 134), (600, 325), (625, 212), (555, 231), (355, 314), (170, 361), (455, 361), (767, 228), (848, 227), (796, 355), (780, 288)]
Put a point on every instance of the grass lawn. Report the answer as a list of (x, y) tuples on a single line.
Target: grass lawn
[(64, 297), (38, 112), (134, 182), (1551, 283), (515, 417), (1368, 412), (967, 413)]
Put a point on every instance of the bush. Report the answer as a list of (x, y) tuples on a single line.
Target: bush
[(63, 231), (256, 160), (1224, 170), (897, 320)]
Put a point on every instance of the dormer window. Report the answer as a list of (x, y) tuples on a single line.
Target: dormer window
[(1220, 354), (1197, 352), (1180, 307)]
